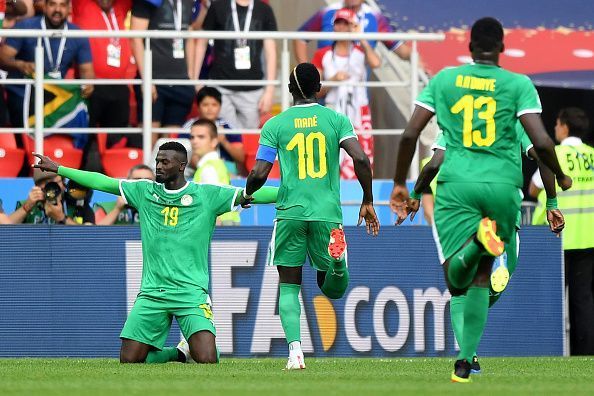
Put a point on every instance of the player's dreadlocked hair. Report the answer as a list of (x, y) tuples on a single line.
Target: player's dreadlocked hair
[(304, 80), (177, 147), (486, 34)]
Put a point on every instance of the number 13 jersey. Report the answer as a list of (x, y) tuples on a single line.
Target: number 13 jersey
[(477, 107), (307, 139)]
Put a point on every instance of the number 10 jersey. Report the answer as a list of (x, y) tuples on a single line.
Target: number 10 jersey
[(307, 139)]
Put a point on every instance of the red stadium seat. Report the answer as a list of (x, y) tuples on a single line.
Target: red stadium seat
[(250, 146), (117, 161), (58, 147), (11, 157)]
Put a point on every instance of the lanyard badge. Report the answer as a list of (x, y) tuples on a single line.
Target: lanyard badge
[(114, 49), (177, 43), (54, 66), (242, 50)]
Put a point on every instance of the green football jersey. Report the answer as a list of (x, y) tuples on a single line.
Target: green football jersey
[(477, 107), (176, 228), (307, 139)]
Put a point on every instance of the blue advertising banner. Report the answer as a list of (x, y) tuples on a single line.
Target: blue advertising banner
[(66, 291)]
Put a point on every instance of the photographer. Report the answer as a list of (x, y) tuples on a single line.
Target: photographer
[(45, 203), (109, 213)]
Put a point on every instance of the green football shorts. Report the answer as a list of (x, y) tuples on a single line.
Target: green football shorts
[(459, 207), (149, 320), (294, 240)]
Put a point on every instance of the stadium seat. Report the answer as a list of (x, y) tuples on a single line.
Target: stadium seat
[(58, 147), (250, 146), (117, 161), (11, 157)]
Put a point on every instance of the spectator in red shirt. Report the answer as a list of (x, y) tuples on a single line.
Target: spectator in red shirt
[(110, 104)]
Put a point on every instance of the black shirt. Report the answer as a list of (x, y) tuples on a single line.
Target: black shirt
[(220, 17), (161, 18)]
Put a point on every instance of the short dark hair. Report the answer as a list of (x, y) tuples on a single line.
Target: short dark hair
[(177, 147), (209, 92), (486, 34), (212, 128), (304, 80), (576, 120)]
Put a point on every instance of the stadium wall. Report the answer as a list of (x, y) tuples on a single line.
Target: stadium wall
[(66, 291)]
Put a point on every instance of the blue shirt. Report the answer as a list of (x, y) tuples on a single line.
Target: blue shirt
[(76, 50)]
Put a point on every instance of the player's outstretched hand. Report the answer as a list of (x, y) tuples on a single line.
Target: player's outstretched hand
[(45, 164), (245, 201), (564, 182), (412, 207), (367, 212), (556, 221), (398, 202)]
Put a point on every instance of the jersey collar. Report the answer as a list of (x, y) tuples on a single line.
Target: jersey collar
[(176, 191)]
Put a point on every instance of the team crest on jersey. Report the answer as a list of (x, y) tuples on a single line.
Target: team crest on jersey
[(186, 200)]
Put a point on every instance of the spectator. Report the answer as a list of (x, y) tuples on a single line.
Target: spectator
[(371, 20), (171, 104), (346, 61), (211, 168), (13, 10), (241, 59), (231, 151), (45, 204), (110, 104), (109, 213), (577, 204), (17, 56)]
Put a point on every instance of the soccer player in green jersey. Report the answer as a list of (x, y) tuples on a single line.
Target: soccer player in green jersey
[(307, 138), (477, 107), (504, 265), (177, 219)]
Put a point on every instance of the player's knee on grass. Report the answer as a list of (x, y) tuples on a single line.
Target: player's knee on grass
[(203, 347), (133, 351)]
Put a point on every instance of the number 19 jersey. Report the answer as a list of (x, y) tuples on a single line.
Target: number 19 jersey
[(477, 107), (307, 139)]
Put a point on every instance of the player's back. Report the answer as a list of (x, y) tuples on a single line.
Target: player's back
[(477, 107), (307, 139)]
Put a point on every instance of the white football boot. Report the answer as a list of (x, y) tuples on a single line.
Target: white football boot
[(184, 348), (296, 360)]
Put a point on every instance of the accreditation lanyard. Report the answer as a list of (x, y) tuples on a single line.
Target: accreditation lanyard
[(55, 67), (246, 25), (178, 43), (113, 26)]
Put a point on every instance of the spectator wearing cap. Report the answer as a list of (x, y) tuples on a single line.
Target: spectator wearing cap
[(370, 19), (347, 61), (110, 104)]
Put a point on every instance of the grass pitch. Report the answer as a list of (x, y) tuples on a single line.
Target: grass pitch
[(501, 376)]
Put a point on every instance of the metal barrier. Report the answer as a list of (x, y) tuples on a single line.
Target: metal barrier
[(147, 78)]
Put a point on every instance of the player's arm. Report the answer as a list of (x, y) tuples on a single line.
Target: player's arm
[(554, 216), (364, 175), (93, 180), (406, 151), (265, 195), (544, 147), (428, 173)]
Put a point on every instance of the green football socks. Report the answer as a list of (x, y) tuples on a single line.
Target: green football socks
[(336, 280), (457, 304), (290, 311), (168, 354), (476, 308), (463, 265)]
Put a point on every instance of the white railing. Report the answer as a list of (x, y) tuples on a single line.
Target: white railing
[(147, 78)]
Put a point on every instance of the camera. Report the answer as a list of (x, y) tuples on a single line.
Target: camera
[(52, 192)]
